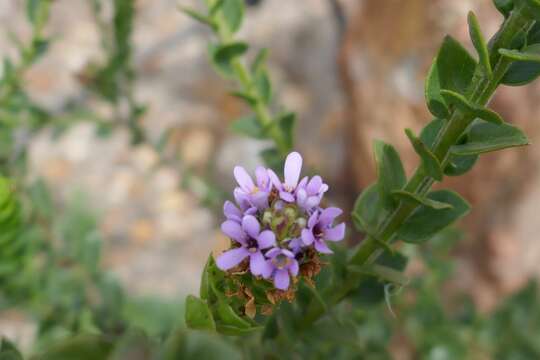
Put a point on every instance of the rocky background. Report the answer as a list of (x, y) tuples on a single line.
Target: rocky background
[(352, 69)]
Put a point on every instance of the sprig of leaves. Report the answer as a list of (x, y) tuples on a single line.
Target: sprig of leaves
[(225, 17), (457, 90)]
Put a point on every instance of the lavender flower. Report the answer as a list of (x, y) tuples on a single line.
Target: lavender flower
[(293, 167), (319, 229), (309, 194), (248, 192), (285, 217), (283, 263), (252, 240)]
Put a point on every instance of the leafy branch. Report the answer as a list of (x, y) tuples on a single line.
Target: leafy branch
[(457, 91), (224, 17)]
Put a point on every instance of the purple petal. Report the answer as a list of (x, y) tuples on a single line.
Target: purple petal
[(251, 226), (281, 279), (233, 230), (301, 196), (262, 178), (273, 253), (312, 201), (288, 197), (231, 258), (293, 268), (257, 263), (231, 211), (314, 185), (259, 200), (313, 219), (307, 237), (336, 233), (328, 215), (267, 269), (302, 182), (241, 198), (324, 188), (243, 179), (287, 253), (321, 247), (266, 239), (274, 179), (293, 166), (295, 244)]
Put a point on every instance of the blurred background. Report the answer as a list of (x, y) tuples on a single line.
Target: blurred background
[(353, 70)]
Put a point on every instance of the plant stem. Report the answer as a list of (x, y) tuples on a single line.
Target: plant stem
[(479, 93), (245, 79)]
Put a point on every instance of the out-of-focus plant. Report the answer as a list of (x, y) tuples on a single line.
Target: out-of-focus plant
[(228, 56)]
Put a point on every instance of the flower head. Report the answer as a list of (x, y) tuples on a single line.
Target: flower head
[(278, 226)]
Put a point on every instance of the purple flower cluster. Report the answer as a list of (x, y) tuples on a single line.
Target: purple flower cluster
[(274, 223)]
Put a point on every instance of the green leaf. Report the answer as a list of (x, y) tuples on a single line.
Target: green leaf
[(225, 53), (249, 126), (259, 61), (198, 315), (215, 7), (485, 137), (228, 317), (431, 164), (134, 345), (8, 351), (390, 172), (406, 196), (457, 165), (196, 345), (533, 36), (452, 69), (525, 69), (198, 16), (233, 14), (426, 221), (479, 43), (263, 85), (531, 8), (248, 98), (464, 105), (367, 211), (287, 122), (530, 53), (504, 6), (81, 347)]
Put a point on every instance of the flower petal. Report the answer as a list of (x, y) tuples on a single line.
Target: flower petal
[(313, 219), (293, 167), (336, 233), (266, 239), (287, 253), (251, 226), (241, 198), (321, 247), (257, 263), (293, 268), (328, 215), (274, 179), (301, 196), (286, 196), (233, 230), (312, 201), (273, 252), (243, 178), (281, 279), (263, 181), (314, 185), (231, 212), (259, 200), (303, 182), (307, 237), (231, 258)]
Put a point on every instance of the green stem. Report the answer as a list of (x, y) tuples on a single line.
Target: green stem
[(245, 79), (479, 93)]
